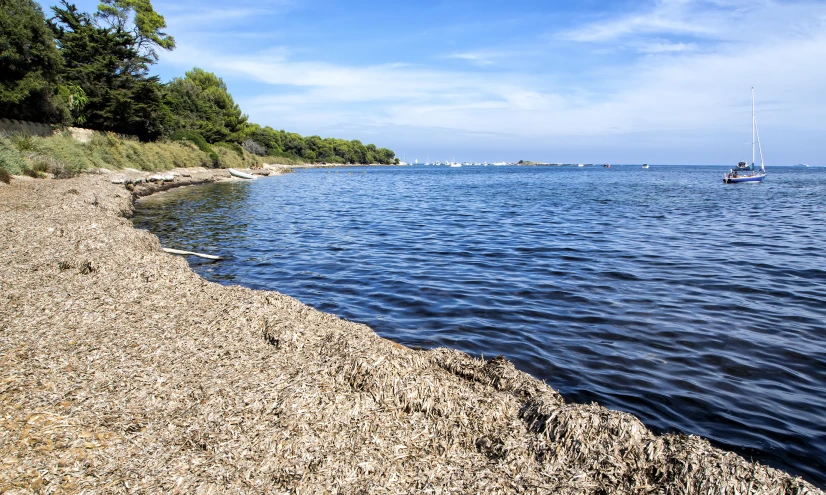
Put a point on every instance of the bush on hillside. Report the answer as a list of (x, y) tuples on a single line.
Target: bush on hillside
[(228, 158), (232, 146), (199, 141), (12, 161), (22, 142), (193, 137), (63, 156), (283, 158), (71, 154)]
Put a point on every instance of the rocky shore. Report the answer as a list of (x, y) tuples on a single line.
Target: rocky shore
[(122, 371)]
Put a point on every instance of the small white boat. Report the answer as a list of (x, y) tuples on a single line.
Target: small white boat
[(644, 165), (161, 178), (239, 174)]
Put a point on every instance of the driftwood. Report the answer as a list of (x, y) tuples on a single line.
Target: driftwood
[(190, 253)]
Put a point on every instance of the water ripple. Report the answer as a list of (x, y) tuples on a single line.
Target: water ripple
[(696, 306)]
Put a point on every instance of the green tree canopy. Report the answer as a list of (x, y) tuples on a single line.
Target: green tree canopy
[(201, 102), (315, 148), (106, 64), (30, 65), (139, 19)]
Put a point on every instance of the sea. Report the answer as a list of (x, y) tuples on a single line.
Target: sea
[(697, 306)]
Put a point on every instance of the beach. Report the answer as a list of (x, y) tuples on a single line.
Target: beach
[(125, 372)]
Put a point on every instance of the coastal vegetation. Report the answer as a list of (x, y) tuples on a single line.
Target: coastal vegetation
[(63, 156), (93, 70)]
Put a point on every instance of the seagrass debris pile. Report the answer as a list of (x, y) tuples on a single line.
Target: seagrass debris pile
[(124, 372)]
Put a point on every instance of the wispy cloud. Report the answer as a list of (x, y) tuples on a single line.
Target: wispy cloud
[(700, 19), (477, 58), (188, 15), (667, 17), (681, 88), (664, 47)]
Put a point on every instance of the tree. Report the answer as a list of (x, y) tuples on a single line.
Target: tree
[(358, 152), (30, 66), (200, 102), (293, 143), (106, 63), (145, 28)]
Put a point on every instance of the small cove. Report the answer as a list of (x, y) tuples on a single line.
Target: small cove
[(624, 286)]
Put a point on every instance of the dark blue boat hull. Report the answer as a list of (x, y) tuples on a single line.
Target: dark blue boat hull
[(736, 180)]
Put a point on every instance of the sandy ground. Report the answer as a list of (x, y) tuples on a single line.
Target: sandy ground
[(121, 371)]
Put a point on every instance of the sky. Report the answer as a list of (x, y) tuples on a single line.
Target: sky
[(661, 82)]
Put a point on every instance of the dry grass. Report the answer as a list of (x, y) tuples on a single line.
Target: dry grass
[(124, 372)]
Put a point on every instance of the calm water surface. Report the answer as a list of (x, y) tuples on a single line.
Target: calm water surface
[(697, 306)]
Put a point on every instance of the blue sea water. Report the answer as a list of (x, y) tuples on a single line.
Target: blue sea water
[(697, 306)]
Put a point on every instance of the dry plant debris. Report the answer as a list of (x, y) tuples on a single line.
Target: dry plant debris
[(121, 371)]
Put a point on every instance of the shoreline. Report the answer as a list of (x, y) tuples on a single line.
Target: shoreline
[(125, 371)]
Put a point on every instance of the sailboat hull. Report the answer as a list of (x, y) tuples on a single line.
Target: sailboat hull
[(737, 180)]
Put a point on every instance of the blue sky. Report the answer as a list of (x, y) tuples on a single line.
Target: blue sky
[(621, 82)]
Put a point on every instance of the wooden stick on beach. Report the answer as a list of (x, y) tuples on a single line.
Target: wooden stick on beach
[(190, 253)]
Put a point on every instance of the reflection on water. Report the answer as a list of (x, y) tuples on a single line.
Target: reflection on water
[(697, 306), (216, 213)]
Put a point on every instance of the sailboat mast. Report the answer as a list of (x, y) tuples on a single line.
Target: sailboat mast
[(752, 126)]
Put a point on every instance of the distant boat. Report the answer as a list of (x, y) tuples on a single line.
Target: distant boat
[(454, 164), (239, 174), (607, 165), (580, 165), (744, 172), (644, 165), (802, 165)]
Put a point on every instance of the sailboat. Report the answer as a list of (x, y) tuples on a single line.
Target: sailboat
[(744, 172)]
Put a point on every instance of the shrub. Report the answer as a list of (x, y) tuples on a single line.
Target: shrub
[(192, 137), (185, 154), (215, 160), (199, 141), (22, 142), (5, 176), (228, 158), (12, 161), (232, 146), (62, 156), (284, 158), (40, 165), (72, 155)]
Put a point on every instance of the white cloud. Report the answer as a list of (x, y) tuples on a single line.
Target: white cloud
[(667, 17), (187, 17), (679, 96), (477, 58), (664, 47)]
